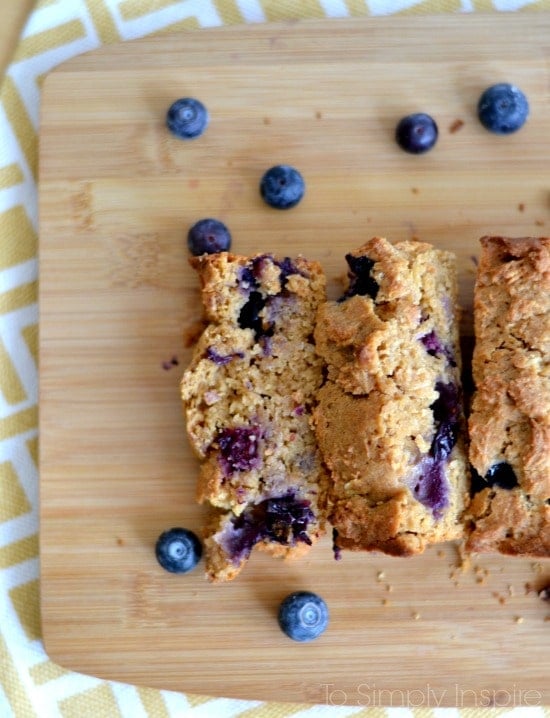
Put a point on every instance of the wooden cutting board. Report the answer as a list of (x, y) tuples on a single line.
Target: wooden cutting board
[(118, 305)]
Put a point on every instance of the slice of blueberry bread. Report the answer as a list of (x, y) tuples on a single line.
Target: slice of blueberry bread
[(509, 424), (389, 419), (248, 395)]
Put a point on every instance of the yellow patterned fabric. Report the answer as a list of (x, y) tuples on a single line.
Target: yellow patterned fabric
[(30, 684)]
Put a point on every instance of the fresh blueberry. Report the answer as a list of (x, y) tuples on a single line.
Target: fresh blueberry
[(187, 118), (303, 616), (178, 550), (208, 236), (282, 187), (416, 133), (502, 108)]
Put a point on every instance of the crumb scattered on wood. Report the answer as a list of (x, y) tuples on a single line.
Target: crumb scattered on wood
[(521, 207), (167, 365), (456, 125)]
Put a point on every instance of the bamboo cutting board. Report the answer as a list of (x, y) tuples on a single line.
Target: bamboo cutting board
[(118, 305)]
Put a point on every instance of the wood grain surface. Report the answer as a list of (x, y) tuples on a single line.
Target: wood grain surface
[(118, 303)]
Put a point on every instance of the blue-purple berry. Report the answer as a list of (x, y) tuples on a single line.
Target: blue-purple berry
[(239, 448), (416, 133), (303, 616), (249, 316), (284, 520), (178, 550), (502, 475), (361, 281), (187, 118), (503, 108), (208, 236), (432, 486), (282, 187)]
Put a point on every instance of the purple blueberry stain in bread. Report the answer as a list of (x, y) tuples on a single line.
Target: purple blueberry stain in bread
[(431, 343), (435, 347), (266, 343), (284, 520), (431, 488), (287, 268), (246, 279), (259, 264), (222, 359), (446, 413), (239, 447)]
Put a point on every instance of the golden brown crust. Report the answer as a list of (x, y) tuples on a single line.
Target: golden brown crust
[(510, 417)]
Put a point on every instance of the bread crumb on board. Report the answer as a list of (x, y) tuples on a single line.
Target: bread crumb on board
[(456, 125)]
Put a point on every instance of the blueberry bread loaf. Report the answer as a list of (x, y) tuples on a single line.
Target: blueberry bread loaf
[(389, 419), (248, 396), (509, 424)]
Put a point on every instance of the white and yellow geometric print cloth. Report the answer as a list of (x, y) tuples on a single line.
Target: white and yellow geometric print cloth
[(31, 686)]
